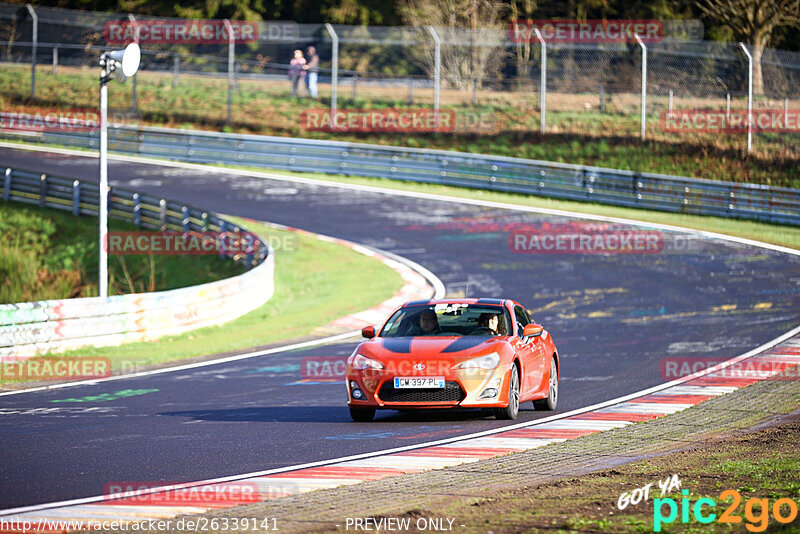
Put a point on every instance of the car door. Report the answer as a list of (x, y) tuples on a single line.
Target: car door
[(533, 350)]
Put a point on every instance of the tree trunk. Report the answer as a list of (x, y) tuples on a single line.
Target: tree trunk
[(758, 76)]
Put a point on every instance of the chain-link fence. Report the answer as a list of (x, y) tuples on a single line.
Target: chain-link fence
[(491, 80)]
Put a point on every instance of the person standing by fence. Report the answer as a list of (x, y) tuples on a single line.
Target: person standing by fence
[(312, 68), (296, 71)]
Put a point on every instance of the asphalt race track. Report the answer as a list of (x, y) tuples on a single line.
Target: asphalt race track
[(614, 318)]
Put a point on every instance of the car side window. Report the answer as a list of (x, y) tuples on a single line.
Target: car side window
[(522, 318)]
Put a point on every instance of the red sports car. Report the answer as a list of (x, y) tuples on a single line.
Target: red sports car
[(467, 353)]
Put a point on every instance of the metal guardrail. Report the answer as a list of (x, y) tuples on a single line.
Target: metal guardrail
[(573, 182), (30, 328), (146, 211)]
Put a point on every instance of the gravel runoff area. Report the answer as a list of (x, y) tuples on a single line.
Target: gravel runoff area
[(470, 486)]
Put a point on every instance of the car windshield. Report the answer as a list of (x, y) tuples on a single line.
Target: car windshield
[(453, 319)]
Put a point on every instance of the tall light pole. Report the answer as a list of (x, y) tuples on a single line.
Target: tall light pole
[(121, 64)]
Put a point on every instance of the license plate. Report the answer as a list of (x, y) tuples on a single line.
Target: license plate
[(418, 382)]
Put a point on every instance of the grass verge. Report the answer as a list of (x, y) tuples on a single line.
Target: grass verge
[(315, 283)]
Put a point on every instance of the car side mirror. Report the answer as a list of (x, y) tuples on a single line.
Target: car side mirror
[(532, 330), (368, 332)]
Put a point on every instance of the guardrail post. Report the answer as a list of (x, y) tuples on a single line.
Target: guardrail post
[(644, 85), (162, 213), (42, 190), (249, 244), (204, 223), (137, 210), (185, 219), (76, 198), (223, 227), (588, 182), (732, 196), (542, 83), (637, 186), (34, 46), (334, 72), (7, 185)]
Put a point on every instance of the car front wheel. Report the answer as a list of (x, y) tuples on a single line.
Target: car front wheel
[(550, 402), (362, 414), (511, 411)]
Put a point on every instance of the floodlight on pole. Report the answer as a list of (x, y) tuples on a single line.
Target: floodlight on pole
[(119, 64)]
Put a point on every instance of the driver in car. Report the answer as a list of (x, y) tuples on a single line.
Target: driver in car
[(487, 324), (428, 323)]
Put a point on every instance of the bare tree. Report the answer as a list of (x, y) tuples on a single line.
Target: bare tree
[(521, 9), (471, 32), (754, 22)]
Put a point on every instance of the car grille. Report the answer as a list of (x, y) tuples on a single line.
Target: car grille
[(451, 392)]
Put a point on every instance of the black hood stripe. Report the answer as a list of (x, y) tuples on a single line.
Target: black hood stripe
[(400, 345), (464, 343)]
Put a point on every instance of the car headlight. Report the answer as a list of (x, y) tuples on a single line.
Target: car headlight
[(487, 361), (361, 362)]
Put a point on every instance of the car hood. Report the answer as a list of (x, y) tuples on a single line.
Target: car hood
[(431, 347)]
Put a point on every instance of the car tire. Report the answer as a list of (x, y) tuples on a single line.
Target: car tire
[(549, 403), (510, 412), (362, 415)]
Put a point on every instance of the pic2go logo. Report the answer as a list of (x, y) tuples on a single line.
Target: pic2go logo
[(756, 511)]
